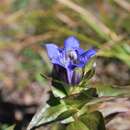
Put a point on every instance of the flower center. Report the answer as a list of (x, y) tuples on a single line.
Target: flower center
[(72, 55)]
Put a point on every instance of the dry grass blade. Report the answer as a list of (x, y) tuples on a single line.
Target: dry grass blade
[(66, 19), (124, 4), (26, 42), (11, 18), (93, 22)]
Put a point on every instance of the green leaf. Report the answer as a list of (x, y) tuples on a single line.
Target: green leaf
[(92, 105), (36, 118), (94, 120), (89, 65), (59, 88), (77, 125), (46, 115), (108, 90), (89, 71), (89, 74), (58, 92), (10, 127), (91, 92), (53, 101), (51, 114), (66, 114), (58, 126), (67, 120), (78, 100)]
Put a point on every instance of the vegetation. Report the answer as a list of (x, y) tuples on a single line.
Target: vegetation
[(26, 25)]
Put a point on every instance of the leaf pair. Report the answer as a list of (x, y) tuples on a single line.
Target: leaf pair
[(62, 109)]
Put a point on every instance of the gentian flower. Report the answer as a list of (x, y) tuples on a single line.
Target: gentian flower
[(70, 59)]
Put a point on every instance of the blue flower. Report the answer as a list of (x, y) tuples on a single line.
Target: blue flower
[(68, 58)]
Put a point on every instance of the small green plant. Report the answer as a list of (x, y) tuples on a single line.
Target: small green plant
[(73, 103)]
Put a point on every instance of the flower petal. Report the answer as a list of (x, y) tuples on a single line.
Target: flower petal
[(69, 75), (77, 76), (52, 51), (59, 72), (86, 56), (71, 43), (90, 53), (79, 51), (56, 61), (80, 65)]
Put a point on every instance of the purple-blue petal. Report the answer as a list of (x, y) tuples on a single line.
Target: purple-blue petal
[(79, 51), (69, 75), (80, 65), (60, 72), (77, 76), (71, 43), (55, 61), (52, 51), (89, 53), (85, 57)]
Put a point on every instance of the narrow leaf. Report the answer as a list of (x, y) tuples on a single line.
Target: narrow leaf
[(51, 114), (46, 115), (66, 114), (77, 125)]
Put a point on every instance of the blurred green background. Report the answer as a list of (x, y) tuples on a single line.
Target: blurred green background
[(25, 25)]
